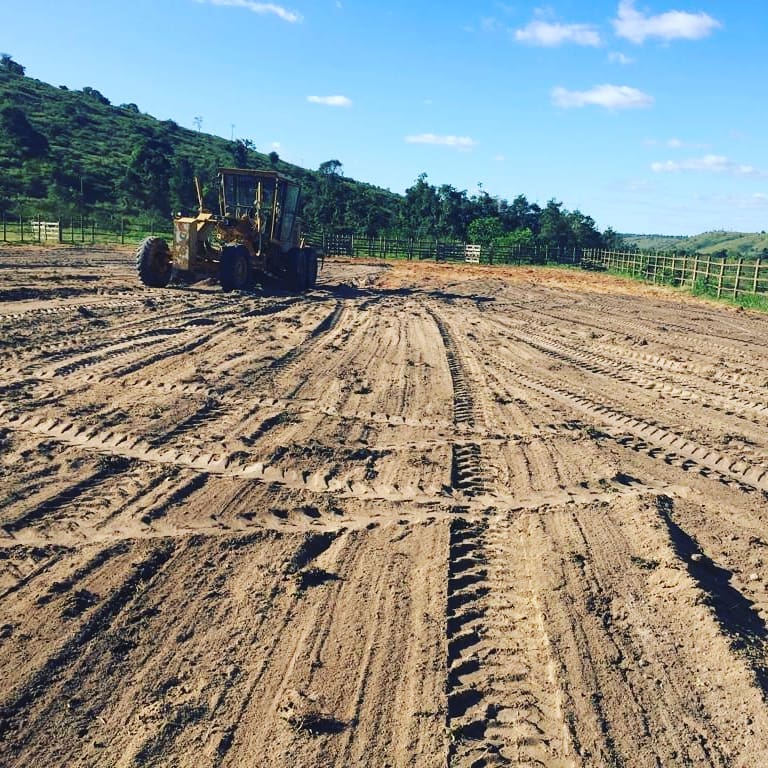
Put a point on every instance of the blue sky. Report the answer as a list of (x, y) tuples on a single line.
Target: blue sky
[(650, 116)]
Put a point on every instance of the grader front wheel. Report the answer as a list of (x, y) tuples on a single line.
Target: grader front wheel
[(297, 270), (235, 268), (153, 262), (311, 268)]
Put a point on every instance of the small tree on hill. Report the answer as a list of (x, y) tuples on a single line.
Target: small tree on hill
[(9, 65)]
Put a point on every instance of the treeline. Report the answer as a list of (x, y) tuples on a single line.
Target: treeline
[(66, 153)]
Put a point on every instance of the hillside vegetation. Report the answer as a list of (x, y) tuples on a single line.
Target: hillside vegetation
[(67, 153), (732, 244)]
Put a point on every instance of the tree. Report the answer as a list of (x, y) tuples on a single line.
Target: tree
[(421, 209), (613, 241), (331, 168), (585, 232), (485, 231), (94, 94), (555, 230), (181, 185), (455, 212), (11, 66), (273, 158), (28, 141), (521, 238), (146, 180)]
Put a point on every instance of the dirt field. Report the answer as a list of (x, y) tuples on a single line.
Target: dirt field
[(422, 516)]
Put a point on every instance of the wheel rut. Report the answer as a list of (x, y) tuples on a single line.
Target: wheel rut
[(504, 704), (467, 463)]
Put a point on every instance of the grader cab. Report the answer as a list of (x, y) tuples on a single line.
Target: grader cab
[(255, 233)]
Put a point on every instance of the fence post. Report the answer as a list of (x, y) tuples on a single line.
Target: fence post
[(738, 277), (695, 270), (757, 272), (5, 232), (720, 279), (122, 231)]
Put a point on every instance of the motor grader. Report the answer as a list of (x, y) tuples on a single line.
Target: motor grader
[(256, 233)]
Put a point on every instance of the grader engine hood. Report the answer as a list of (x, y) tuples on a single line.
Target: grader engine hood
[(186, 238), (181, 241)]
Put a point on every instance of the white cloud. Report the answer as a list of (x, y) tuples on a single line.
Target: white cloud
[(707, 163), (608, 96), (672, 25), (755, 201), (275, 145), (331, 101), (459, 142), (619, 58), (490, 24), (261, 8), (551, 34), (675, 143)]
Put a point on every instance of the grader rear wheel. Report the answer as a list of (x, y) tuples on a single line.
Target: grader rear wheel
[(153, 262)]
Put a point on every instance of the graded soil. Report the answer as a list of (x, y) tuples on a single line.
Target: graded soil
[(424, 515)]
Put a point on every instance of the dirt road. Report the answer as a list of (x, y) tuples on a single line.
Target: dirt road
[(422, 516)]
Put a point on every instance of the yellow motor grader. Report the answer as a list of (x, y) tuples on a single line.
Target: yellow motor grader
[(256, 232)]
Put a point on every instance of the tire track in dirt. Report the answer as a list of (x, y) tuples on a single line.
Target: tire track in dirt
[(467, 475), (608, 606), (15, 703), (503, 699), (600, 365), (615, 355), (692, 452), (86, 491), (71, 308), (678, 342), (745, 628)]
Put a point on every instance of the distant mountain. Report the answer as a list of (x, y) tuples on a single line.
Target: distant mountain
[(735, 244)]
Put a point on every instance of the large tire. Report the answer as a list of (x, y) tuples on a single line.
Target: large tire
[(297, 270), (153, 262), (235, 268), (311, 268)]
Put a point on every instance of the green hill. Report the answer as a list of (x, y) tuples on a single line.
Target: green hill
[(734, 244), (63, 152)]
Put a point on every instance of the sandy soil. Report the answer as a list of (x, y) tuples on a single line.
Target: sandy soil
[(425, 515)]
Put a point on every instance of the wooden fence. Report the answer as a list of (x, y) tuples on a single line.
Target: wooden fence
[(106, 229), (708, 274), (439, 250), (701, 273)]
